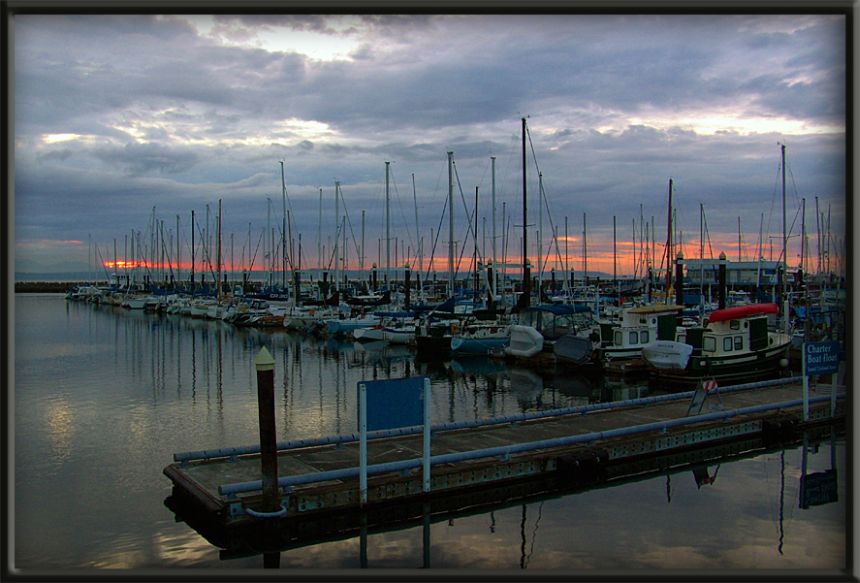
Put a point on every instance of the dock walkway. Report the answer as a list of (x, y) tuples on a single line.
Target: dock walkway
[(323, 478)]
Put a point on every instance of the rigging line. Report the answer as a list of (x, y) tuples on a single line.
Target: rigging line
[(402, 214), (438, 231), (463, 248), (708, 236), (551, 226), (532, 147), (254, 259), (166, 251), (468, 213), (332, 254), (773, 198), (102, 262), (208, 259), (349, 223)]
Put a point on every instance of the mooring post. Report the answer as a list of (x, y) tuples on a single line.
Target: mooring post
[(265, 365)]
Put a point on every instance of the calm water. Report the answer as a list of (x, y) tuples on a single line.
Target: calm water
[(103, 397)]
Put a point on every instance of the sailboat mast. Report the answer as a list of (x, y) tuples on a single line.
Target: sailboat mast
[(540, 232), (584, 251), (475, 246), (493, 284), (760, 250), (803, 235), (336, 235), (526, 276), (265, 236), (283, 228), (739, 239), (387, 229), (669, 247), (450, 225), (818, 234), (615, 260), (178, 249), (218, 280), (192, 250), (784, 270), (701, 252), (420, 250)]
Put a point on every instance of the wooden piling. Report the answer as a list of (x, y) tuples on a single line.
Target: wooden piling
[(265, 366)]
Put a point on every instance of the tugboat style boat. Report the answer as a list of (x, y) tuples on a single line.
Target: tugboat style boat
[(734, 345)]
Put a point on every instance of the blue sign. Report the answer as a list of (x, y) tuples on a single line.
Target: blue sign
[(821, 357), (395, 403)]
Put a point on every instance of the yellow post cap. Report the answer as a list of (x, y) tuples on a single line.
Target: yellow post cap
[(264, 360)]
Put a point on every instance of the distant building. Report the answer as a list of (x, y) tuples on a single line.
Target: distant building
[(746, 273)]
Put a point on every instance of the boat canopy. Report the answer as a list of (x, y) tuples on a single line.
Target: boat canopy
[(737, 312)]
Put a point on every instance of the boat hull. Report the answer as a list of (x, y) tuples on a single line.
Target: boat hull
[(767, 363), (667, 355), (574, 350)]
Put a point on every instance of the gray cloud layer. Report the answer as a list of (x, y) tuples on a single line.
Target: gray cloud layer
[(172, 118)]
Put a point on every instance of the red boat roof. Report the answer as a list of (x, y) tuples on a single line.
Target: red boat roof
[(737, 312)]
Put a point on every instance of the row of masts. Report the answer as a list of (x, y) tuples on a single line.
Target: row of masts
[(158, 250)]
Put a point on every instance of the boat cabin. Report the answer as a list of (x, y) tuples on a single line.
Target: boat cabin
[(641, 325), (725, 335), (727, 338)]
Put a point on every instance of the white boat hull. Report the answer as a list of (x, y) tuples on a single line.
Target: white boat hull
[(667, 355)]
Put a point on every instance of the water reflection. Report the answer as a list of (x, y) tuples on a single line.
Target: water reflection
[(104, 397), (318, 376)]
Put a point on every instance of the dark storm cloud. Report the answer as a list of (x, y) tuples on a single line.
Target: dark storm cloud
[(141, 159), (172, 118)]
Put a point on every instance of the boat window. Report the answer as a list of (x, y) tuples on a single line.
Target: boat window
[(634, 337), (727, 344), (735, 325), (739, 342), (643, 336), (709, 344), (619, 338)]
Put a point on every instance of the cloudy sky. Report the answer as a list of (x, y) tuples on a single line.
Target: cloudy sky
[(117, 115)]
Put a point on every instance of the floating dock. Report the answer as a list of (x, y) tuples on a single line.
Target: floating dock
[(319, 478)]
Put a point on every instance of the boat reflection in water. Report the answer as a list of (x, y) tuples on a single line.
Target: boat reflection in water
[(539, 389), (526, 498)]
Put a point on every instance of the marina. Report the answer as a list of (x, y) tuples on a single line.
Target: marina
[(551, 292)]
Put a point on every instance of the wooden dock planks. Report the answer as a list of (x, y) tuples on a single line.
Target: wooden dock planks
[(200, 479)]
